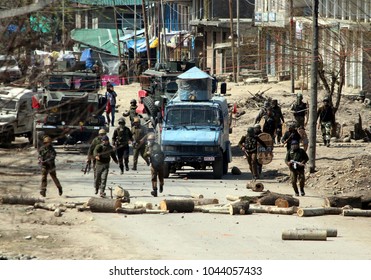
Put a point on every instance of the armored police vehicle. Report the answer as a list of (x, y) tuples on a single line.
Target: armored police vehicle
[(16, 114), (195, 129)]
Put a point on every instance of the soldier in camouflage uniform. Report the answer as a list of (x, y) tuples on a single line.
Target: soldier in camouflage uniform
[(139, 137), (47, 156), (326, 117), (121, 137), (96, 141), (300, 111), (154, 152), (249, 145), (296, 158), (103, 154), (133, 111)]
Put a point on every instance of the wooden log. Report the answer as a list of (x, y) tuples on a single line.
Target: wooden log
[(357, 212), (104, 205), (205, 201), (340, 201), (119, 192), (216, 211), (131, 210), (272, 209), (143, 204), (58, 212), (196, 195), (330, 232), (20, 199), (240, 208), (50, 206), (255, 186), (308, 212), (156, 211), (251, 199), (177, 205), (333, 211), (304, 235), (83, 208), (270, 199)]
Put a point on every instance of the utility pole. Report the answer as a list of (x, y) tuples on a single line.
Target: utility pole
[(117, 31), (232, 40), (146, 33), (313, 99), (292, 40), (238, 40)]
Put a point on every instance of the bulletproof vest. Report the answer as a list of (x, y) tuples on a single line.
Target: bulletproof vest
[(251, 144), (157, 156), (269, 125), (300, 107), (123, 135)]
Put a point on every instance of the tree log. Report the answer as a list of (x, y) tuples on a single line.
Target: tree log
[(216, 211), (131, 210), (205, 201), (50, 206), (20, 199), (143, 204), (330, 232), (156, 211), (255, 186), (251, 199), (272, 209), (196, 195), (304, 234), (177, 205), (104, 205), (307, 212), (270, 199), (357, 212), (240, 208), (119, 192), (286, 202), (333, 211), (340, 201), (58, 212)]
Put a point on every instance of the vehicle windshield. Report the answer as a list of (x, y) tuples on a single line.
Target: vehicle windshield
[(6, 104), (193, 116)]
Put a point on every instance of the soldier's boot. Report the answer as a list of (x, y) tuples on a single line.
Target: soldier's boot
[(60, 190), (295, 187), (96, 190), (302, 191), (154, 192), (161, 188), (328, 143), (127, 164), (121, 168), (43, 193), (325, 142)]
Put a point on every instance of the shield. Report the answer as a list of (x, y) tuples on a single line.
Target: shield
[(265, 155)]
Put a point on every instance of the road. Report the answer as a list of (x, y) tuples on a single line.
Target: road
[(196, 236)]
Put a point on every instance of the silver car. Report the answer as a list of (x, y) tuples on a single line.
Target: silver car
[(9, 69)]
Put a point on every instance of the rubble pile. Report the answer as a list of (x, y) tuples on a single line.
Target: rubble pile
[(350, 176)]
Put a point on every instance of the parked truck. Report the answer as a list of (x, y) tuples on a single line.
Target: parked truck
[(71, 110), (195, 129), (16, 114)]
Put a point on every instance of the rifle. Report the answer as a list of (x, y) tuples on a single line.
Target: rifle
[(87, 167), (295, 164)]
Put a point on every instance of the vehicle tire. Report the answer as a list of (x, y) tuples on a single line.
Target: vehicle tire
[(218, 168), (225, 163), (150, 106), (166, 170)]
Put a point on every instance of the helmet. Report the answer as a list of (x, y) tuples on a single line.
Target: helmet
[(133, 101), (47, 139), (122, 121), (326, 98), (102, 131), (294, 142), (299, 96), (257, 126), (266, 104), (105, 138), (136, 120), (250, 131), (151, 136)]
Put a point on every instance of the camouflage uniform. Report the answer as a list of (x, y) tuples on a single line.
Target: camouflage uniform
[(153, 151), (139, 134), (296, 170), (121, 137), (299, 109), (103, 154), (47, 155), (326, 116)]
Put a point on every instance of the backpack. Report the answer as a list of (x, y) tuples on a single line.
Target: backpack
[(157, 156)]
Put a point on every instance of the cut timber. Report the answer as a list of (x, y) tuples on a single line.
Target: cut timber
[(156, 211), (177, 205), (341, 201), (215, 211), (104, 205), (270, 199), (310, 234), (58, 212), (357, 212), (119, 192), (20, 199), (131, 210), (333, 211), (255, 186), (205, 201), (331, 232), (286, 202), (272, 209), (197, 195), (143, 204), (240, 208), (251, 199), (306, 212), (50, 206)]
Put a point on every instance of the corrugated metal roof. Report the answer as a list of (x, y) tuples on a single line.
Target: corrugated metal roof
[(103, 39), (108, 2)]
